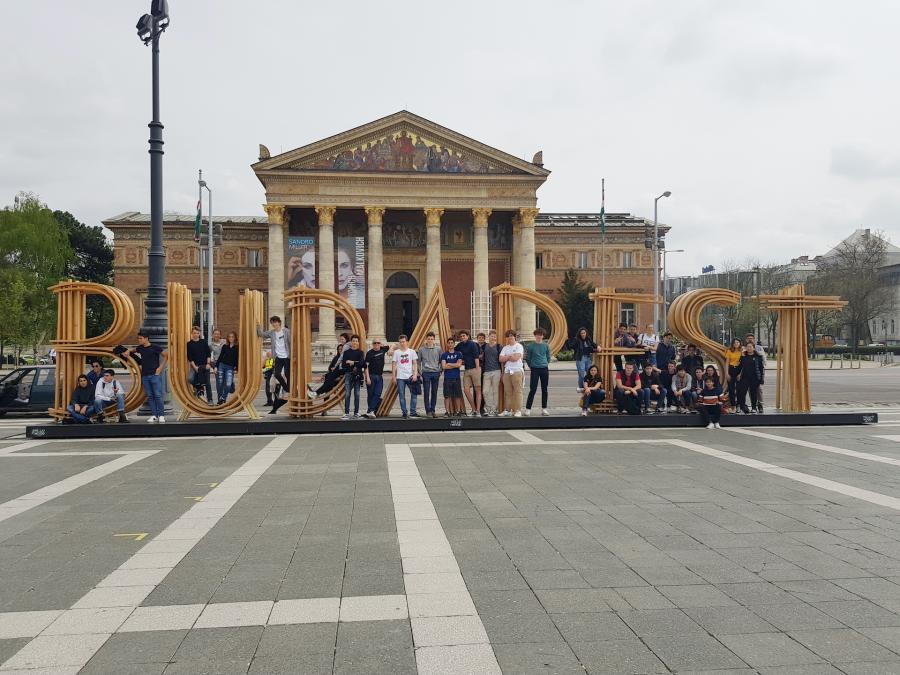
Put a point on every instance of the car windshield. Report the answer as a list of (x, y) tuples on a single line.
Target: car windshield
[(11, 377)]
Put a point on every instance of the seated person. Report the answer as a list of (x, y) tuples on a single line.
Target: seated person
[(594, 393), (714, 374), (107, 391), (665, 382), (628, 390), (710, 403), (681, 389), (652, 389), (82, 406), (697, 386)]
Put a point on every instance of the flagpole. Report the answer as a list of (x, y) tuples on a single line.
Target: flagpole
[(603, 233), (200, 240)]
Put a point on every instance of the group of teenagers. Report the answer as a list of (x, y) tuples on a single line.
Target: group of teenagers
[(481, 373)]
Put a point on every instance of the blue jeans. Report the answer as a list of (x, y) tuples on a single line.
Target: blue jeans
[(373, 392), (153, 389), (660, 398), (430, 390), (81, 418), (100, 404), (224, 381), (402, 386), (594, 398), (351, 384), (583, 365)]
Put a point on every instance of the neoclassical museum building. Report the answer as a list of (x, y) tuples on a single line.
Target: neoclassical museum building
[(380, 214)]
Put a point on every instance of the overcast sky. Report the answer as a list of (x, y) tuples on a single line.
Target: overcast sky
[(773, 123)]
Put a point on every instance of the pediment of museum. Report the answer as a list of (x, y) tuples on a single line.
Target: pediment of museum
[(400, 143)]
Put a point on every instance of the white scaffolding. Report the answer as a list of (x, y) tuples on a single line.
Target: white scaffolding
[(482, 312)]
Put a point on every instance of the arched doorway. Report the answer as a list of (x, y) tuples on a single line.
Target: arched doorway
[(401, 304)]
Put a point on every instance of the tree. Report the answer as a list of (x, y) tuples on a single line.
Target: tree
[(852, 271), (575, 302), (92, 260)]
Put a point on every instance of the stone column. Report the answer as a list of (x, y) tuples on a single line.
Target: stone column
[(275, 212), (375, 277), (432, 251), (527, 270), (481, 283), (515, 269), (325, 270)]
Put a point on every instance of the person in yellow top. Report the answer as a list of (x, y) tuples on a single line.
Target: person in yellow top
[(268, 369), (733, 358)]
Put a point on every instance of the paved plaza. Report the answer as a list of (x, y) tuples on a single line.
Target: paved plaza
[(602, 551)]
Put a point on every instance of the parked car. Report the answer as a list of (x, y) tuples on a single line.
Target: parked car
[(29, 389)]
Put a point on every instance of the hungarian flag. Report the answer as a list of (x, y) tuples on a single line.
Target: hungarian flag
[(603, 206), (197, 224)]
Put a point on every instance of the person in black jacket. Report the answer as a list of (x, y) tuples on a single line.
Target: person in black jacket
[(692, 360), (199, 358), (352, 366), (749, 375), (665, 353), (334, 368), (652, 389), (665, 382), (82, 406), (584, 349), (226, 366)]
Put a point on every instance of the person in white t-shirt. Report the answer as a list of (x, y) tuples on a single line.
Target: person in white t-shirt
[(405, 369), (649, 340), (512, 359)]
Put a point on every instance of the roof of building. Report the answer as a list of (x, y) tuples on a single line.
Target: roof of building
[(187, 218)]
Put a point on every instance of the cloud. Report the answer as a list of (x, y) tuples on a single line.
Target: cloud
[(863, 163), (774, 71)]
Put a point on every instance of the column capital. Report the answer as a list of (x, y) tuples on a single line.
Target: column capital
[(326, 214), (481, 216), (374, 214), (433, 216), (527, 216), (275, 212)]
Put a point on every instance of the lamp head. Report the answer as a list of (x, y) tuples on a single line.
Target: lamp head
[(144, 28), (666, 194)]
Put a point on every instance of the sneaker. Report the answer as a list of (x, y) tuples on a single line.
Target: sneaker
[(545, 412), (672, 408), (518, 413), (584, 413), (369, 415), (101, 418), (648, 411), (505, 413), (527, 412), (415, 415), (473, 414), (345, 417), (579, 390), (661, 411), (717, 425), (710, 426), (152, 419), (405, 416), (162, 420), (760, 410)]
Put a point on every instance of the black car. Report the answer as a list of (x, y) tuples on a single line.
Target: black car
[(28, 389)]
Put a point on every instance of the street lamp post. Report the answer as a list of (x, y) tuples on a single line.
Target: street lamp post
[(667, 193), (665, 321), (149, 28), (210, 247)]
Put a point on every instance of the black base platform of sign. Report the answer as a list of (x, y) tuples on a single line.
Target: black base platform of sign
[(334, 425)]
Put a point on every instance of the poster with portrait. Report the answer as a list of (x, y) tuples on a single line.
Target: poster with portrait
[(351, 270), (301, 262)]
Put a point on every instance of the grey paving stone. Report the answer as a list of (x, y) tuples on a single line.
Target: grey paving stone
[(769, 649), (859, 613), (842, 646), (563, 600), (506, 602), (759, 593), (728, 620), (517, 628), (11, 646), (660, 622), (375, 647), (121, 668), (543, 658), (809, 669), (308, 663), (212, 667), (818, 590), (692, 652), (545, 579), (796, 616), (883, 668), (696, 596), (220, 644), (645, 597), (137, 648), (617, 656), (297, 641), (494, 580), (591, 626)]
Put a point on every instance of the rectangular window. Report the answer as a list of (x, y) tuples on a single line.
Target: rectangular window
[(204, 256), (254, 258), (197, 318), (539, 261), (626, 314), (582, 260), (626, 259)]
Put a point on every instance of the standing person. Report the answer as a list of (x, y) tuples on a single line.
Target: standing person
[(268, 365), (692, 359), (281, 350), (491, 374), (153, 359), (199, 358), (451, 361), (107, 391), (226, 367), (681, 389), (472, 374), (374, 372), (751, 338), (215, 348), (481, 341), (665, 382), (430, 365), (652, 389), (628, 390), (594, 393), (404, 369), (82, 405), (622, 338), (750, 372), (710, 403), (732, 360), (95, 374), (537, 356), (512, 357), (649, 341), (352, 363), (583, 350), (665, 352)]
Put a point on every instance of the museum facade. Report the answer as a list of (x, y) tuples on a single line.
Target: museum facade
[(382, 213)]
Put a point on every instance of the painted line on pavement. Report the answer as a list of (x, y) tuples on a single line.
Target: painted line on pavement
[(524, 436), (818, 446), (103, 610), (815, 481), (889, 438), (448, 635), (20, 446)]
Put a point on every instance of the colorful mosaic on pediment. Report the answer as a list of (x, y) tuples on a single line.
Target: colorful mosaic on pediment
[(406, 151)]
